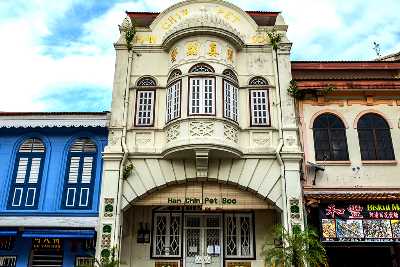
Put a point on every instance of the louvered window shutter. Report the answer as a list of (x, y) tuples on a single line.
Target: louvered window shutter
[(25, 187), (79, 181)]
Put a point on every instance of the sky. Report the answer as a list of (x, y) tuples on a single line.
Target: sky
[(59, 55)]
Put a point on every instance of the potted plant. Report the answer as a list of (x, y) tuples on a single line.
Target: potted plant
[(300, 248)]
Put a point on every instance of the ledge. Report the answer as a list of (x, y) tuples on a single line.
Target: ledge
[(379, 162), (334, 163)]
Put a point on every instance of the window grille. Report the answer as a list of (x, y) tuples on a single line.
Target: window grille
[(145, 108), (330, 138), (374, 138), (174, 74), (239, 234), (258, 81), (167, 235), (259, 105), (174, 101), (202, 96), (25, 187), (84, 261), (230, 101), (146, 81), (80, 176), (230, 74), (201, 68)]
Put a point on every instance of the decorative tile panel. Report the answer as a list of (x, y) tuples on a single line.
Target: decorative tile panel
[(108, 207)]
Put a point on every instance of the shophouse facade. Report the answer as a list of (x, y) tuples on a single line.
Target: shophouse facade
[(203, 158), (50, 177), (349, 122)]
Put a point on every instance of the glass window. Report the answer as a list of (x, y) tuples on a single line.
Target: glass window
[(230, 101), (202, 96), (174, 101), (330, 141), (239, 234), (145, 108), (259, 107), (80, 175), (146, 81), (25, 187), (167, 235), (374, 138)]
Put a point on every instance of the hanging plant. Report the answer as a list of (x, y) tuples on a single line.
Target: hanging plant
[(130, 33), (127, 170), (329, 89), (294, 91), (274, 38)]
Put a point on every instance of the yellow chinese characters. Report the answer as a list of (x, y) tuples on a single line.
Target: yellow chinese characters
[(192, 49), (228, 15), (212, 49), (145, 39), (229, 54), (174, 53)]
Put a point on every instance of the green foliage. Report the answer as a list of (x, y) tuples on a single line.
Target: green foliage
[(108, 259), (130, 33), (329, 89), (294, 91), (300, 249), (127, 170), (274, 38)]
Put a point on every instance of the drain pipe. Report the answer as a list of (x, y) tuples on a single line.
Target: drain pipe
[(118, 232), (278, 150)]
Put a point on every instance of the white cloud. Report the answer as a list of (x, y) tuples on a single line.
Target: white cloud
[(323, 29)]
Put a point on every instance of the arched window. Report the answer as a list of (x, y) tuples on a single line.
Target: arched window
[(174, 74), (259, 102), (201, 68), (374, 137), (28, 169), (146, 81), (80, 175), (201, 91), (258, 81), (330, 141), (230, 95)]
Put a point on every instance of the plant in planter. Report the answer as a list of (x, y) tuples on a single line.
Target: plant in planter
[(299, 249), (108, 259), (127, 170)]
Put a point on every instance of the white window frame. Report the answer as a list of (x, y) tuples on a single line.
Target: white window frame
[(259, 110), (174, 101), (231, 95), (145, 111), (167, 235), (238, 235), (202, 108)]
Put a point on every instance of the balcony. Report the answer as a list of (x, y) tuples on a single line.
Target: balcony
[(190, 137)]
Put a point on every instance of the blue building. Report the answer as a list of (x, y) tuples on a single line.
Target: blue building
[(50, 179)]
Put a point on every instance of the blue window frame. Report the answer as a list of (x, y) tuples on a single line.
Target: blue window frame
[(27, 176), (80, 175)]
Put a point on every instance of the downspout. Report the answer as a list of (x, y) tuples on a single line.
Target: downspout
[(280, 145), (118, 232)]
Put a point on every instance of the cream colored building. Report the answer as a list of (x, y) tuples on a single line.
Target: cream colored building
[(201, 113)]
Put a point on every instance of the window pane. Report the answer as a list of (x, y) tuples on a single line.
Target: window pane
[(144, 108), (367, 147), (384, 146)]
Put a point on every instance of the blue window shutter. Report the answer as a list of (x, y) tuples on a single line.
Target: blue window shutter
[(25, 187), (79, 178)]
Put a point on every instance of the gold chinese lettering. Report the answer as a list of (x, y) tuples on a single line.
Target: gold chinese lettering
[(192, 49), (229, 54), (174, 53), (212, 49)]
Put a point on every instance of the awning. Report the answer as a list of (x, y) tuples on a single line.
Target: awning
[(8, 233), (58, 233)]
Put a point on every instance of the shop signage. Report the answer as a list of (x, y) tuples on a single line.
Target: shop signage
[(205, 200), (7, 243), (239, 264), (355, 222), (46, 243), (166, 264)]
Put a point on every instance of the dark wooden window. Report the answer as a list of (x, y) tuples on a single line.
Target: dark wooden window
[(374, 137), (330, 138)]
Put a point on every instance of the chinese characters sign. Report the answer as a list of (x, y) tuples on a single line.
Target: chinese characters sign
[(360, 222), (46, 243)]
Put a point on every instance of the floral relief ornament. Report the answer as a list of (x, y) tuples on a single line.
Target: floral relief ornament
[(229, 54), (174, 53), (212, 49)]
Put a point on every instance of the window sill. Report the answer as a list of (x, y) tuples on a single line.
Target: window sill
[(334, 163), (379, 162)]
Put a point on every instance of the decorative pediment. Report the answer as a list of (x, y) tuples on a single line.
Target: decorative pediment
[(204, 23)]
